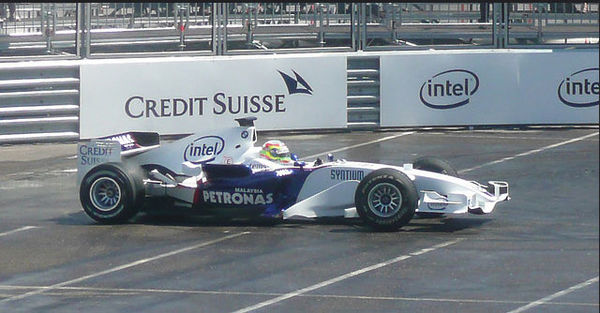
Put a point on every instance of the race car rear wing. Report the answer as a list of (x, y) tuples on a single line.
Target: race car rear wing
[(133, 143), (112, 149)]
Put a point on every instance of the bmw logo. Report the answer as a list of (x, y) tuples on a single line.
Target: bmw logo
[(245, 134)]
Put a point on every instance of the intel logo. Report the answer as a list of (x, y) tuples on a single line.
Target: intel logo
[(580, 89), (204, 149), (449, 89)]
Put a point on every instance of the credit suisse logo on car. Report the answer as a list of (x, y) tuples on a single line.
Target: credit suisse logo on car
[(138, 106)]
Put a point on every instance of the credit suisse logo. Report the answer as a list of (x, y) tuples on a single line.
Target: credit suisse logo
[(222, 102)]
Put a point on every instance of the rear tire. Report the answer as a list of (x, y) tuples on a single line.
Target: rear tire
[(386, 199), (435, 165), (112, 193)]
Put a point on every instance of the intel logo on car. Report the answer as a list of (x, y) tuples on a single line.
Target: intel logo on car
[(449, 89), (580, 89), (204, 149)]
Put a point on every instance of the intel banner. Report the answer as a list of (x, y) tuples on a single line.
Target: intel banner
[(489, 87), (190, 94)]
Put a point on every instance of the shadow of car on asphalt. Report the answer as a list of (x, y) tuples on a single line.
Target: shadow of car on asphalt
[(416, 225)]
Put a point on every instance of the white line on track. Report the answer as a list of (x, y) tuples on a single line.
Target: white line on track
[(494, 137), (121, 267), (359, 145), (555, 295), (99, 291), (344, 276), (528, 152), (18, 230)]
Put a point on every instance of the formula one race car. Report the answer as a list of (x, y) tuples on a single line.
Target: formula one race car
[(222, 171)]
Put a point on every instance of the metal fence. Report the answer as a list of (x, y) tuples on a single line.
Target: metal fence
[(113, 29)]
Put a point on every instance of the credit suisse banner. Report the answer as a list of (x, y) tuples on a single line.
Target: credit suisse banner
[(191, 94), (489, 87)]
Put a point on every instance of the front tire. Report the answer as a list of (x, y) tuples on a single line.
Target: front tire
[(386, 199), (436, 165), (111, 193)]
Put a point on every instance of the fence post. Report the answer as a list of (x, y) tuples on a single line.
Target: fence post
[(321, 35), (358, 26), (362, 21), (224, 30), (48, 24), (505, 23), (353, 26), (83, 25), (216, 27), (499, 26), (251, 23), (182, 12)]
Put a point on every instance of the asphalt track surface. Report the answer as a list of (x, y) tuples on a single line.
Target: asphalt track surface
[(535, 253)]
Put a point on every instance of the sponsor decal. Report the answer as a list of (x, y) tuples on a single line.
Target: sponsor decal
[(203, 149), (227, 160), (280, 173), (292, 83), (94, 155), (138, 106), (346, 174), (240, 196), (257, 167), (244, 134), (580, 89), (449, 89)]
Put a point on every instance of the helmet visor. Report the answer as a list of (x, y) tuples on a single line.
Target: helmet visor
[(280, 153)]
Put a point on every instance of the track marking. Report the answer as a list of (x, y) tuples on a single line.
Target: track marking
[(528, 152), (69, 170), (99, 291), (133, 291), (343, 277), (359, 145), (431, 134), (121, 267), (555, 295), (18, 230)]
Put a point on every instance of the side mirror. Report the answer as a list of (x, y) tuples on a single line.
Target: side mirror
[(294, 157), (330, 157)]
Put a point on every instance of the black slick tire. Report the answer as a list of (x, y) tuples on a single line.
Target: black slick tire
[(377, 182), (112, 192), (436, 165)]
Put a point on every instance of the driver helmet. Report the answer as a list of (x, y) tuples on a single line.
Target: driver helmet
[(276, 151)]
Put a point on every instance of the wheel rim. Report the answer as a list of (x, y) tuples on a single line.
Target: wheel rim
[(105, 194), (385, 200)]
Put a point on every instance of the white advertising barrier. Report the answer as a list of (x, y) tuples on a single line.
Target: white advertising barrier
[(187, 95), (489, 87)]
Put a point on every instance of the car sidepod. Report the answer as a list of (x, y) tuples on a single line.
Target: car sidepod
[(266, 193)]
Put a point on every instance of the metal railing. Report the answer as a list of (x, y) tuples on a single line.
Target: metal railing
[(39, 101), (113, 29)]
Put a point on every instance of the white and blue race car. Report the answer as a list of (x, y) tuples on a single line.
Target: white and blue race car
[(222, 171)]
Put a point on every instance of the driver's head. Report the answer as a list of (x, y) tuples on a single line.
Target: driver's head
[(276, 151)]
